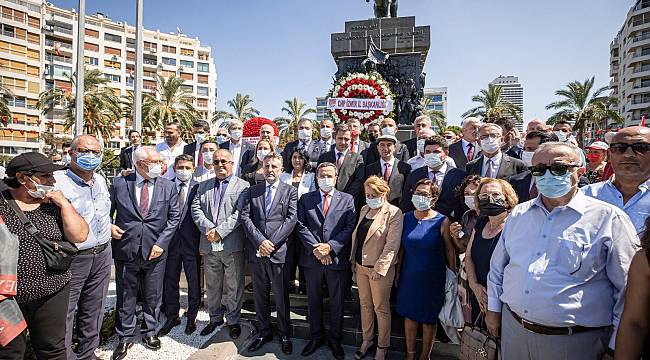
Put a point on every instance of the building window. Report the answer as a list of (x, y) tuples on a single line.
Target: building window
[(58, 70), (91, 47), (112, 64), (202, 67), (114, 145), (112, 37), (92, 33), (91, 60), (189, 88), (112, 78), (187, 52), (436, 98), (202, 79), (169, 61), (187, 64), (202, 91), (169, 49)]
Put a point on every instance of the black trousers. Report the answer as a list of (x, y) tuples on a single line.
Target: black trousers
[(46, 318), (294, 249), (266, 276), (336, 281), (171, 295)]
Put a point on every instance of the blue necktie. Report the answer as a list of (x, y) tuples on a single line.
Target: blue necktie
[(269, 199), (216, 200)]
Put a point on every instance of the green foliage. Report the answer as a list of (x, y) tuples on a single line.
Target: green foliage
[(438, 118), (241, 107), (492, 106), (455, 128), (295, 110), (5, 112)]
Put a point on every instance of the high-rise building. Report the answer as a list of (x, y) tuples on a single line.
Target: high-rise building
[(437, 100), (630, 64), (513, 92), (321, 108), (38, 52)]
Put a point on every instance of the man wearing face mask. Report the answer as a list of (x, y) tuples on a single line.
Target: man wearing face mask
[(146, 212), (560, 267), (304, 142), (222, 136), (91, 267), (510, 145), (563, 130), (388, 127), (326, 220), (524, 183), (467, 148), (436, 169), (326, 141), (201, 130), (421, 122), (242, 151), (374, 130), (494, 163), (393, 171), (205, 171), (417, 161)]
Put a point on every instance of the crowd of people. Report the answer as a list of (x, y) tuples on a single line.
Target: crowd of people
[(543, 233)]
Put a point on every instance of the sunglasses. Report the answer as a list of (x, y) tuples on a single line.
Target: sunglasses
[(556, 169), (640, 148), (221, 162)]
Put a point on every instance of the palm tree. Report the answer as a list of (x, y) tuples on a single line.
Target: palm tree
[(5, 112), (295, 110), (150, 124), (241, 107), (102, 107), (583, 107), (492, 105), (438, 118), (175, 104)]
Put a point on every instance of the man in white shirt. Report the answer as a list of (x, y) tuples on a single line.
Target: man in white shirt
[(417, 161), (467, 148), (201, 130), (242, 151), (206, 170), (171, 148)]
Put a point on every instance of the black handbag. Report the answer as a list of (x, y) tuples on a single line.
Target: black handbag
[(58, 254)]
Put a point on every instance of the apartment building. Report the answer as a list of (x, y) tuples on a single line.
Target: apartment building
[(38, 52), (437, 100), (512, 91)]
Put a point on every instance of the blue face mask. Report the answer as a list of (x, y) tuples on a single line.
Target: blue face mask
[(89, 161), (554, 186)]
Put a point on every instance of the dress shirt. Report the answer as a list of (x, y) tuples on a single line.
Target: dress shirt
[(329, 196), (327, 144), (566, 267), (235, 150), (356, 145), (417, 162), (92, 201), (304, 145), (637, 208), (343, 153), (273, 189), (496, 162), (178, 189), (169, 155), (139, 181), (391, 166), (465, 144), (440, 174), (202, 174)]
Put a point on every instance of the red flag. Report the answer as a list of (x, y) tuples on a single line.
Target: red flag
[(642, 123)]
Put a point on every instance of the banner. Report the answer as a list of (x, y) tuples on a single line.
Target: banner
[(359, 104)]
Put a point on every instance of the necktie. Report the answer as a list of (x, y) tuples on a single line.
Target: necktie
[(326, 204), (144, 198), (181, 197), (433, 177), (387, 172), (470, 152), (488, 172), (533, 190), (216, 200), (339, 161), (199, 159), (352, 147), (269, 199)]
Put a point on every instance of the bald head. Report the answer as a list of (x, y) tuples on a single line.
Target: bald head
[(551, 152), (631, 164), (82, 141), (536, 124), (636, 132), (85, 145)]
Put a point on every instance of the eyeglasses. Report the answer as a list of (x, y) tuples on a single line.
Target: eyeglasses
[(148, 162), (557, 169), (491, 136), (88, 151), (221, 162), (640, 148)]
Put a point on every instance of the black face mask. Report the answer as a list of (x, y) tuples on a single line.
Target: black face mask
[(491, 206), (372, 137)]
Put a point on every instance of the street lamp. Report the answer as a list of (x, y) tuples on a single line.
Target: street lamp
[(81, 32), (137, 87)]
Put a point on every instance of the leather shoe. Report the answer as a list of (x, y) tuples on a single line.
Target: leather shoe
[(121, 350), (151, 342), (312, 346), (337, 350), (234, 330), (287, 346), (190, 327), (169, 325), (208, 329), (259, 342)]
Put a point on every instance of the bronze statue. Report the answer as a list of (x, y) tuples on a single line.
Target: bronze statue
[(382, 8)]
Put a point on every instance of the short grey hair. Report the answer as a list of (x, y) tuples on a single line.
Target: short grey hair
[(232, 122), (470, 120), (324, 165), (422, 118), (143, 152), (75, 142), (554, 144), (488, 125)]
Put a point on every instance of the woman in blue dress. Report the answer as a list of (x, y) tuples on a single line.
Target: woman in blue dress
[(427, 249)]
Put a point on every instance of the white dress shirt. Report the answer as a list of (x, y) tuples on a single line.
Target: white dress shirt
[(169, 155), (391, 165), (202, 174), (139, 182), (566, 267), (235, 150), (496, 162), (439, 174), (327, 144)]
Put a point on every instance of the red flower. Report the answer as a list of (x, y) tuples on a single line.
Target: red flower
[(252, 126)]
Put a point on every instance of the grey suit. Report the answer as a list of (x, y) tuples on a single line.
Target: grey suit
[(224, 269), (508, 167)]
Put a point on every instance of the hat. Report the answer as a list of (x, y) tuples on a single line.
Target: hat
[(598, 145), (387, 137), (31, 162)]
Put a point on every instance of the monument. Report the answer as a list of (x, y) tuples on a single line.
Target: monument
[(395, 47)]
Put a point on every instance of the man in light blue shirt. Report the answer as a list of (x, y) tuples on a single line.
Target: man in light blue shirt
[(629, 189), (91, 267), (558, 273)]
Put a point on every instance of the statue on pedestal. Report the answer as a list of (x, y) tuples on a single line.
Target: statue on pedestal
[(382, 8)]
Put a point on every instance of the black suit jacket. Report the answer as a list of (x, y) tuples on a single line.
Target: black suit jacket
[(457, 153), (509, 167), (351, 174), (277, 226), (190, 149), (246, 154), (396, 180), (313, 150), (515, 152), (187, 235), (448, 203), (401, 153), (411, 146), (126, 158)]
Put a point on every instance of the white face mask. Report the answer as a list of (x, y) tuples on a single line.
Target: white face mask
[(433, 161), (561, 136), (450, 141), (184, 175), (304, 134), (199, 138), (421, 145), (326, 132), (326, 184), (41, 190), (388, 131), (469, 201), (421, 202), (221, 139), (261, 154), (67, 159), (490, 145), (207, 157), (236, 134), (374, 203), (527, 157), (154, 171)]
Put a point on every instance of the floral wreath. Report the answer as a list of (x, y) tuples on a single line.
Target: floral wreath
[(361, 86)]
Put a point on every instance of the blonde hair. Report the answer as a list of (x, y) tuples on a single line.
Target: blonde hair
[(378, 185), (271, 145), (511, 196)]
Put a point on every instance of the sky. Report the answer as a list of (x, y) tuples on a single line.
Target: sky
[(274, 50)]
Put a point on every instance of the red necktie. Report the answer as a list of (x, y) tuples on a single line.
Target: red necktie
[(199, 159), (144, 199), (488, 171), (387, 172), (326, 204), (533, 191), (470, 152), (352, 147)]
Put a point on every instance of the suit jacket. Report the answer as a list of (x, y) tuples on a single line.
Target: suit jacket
[(515, 152), (509, 167), (322, 145), (335, 229), (313, 150), (448, 203), (186, 237), (381, 245), (401, 153), (246, 154), (126, 158), (411, 146), (351, 173), (190, 149), (228, 227), (395, 181), (277, 226), (156, 228), (457, 153)]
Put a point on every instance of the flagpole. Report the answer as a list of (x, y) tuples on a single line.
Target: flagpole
[(137, 88), (79, 105)]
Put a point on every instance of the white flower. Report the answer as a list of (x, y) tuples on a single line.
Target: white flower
[(381, 117), (344, 111), (386, 112), (346, 93), (377, 97)]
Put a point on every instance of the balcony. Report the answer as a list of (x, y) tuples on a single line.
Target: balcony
[(63, 59), (52, 43), (149, 62)]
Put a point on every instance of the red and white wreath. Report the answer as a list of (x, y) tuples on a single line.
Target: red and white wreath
[(360, 86)]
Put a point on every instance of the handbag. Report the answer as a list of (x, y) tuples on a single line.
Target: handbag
[(477, 344), (58, 254)]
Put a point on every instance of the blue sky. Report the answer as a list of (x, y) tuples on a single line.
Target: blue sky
[(277, 49)]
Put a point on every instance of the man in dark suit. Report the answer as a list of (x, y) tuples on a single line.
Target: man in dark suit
[(350, 168), (304, 142), (183, 252), (242, 151), (201, 130), (494, 163), (388, 127), (326, 141), (326, 219), (389, 168), (356, 144), (269, 217), (421, 122), (442, 174), (508, 130), (126, 153), (466, 149), (146, 212)]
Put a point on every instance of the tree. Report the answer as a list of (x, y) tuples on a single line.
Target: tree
[(5, 112), (438, 118), (583, 107), (492, 105), (150, 124), (241, 107), (295, 110), (175, 104), (102, 108)]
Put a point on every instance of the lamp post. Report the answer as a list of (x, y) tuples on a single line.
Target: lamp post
[(137, 88), (81, 32)]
